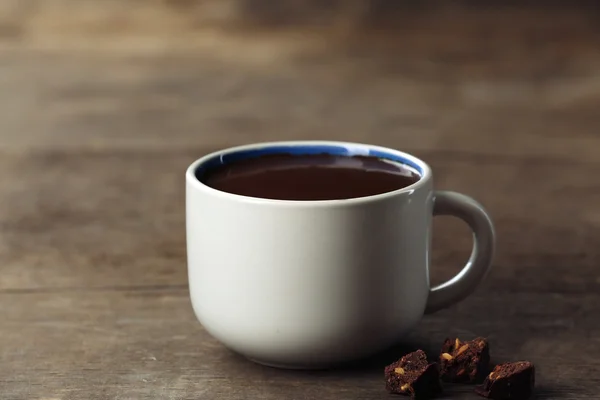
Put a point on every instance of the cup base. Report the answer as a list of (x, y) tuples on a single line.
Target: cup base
[(297, 367)]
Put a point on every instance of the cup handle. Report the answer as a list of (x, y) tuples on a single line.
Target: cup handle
[(465, 282)]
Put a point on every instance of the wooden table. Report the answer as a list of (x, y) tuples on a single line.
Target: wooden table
[(99, 124)]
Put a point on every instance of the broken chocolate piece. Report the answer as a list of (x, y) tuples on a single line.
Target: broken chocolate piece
[(464, 361), (514, 381), (414, 376)]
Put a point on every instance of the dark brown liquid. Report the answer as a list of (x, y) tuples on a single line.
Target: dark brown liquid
[(309, 177)]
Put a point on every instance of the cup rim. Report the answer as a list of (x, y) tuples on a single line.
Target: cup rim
[(354, 147)]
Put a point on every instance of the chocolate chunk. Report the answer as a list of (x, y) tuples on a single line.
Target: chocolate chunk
[(464, 361), (514, 381), (414, 376)]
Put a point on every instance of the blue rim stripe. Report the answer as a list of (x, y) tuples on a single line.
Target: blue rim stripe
[(229, 158)]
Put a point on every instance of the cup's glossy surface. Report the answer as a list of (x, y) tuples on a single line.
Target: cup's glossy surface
[(309, 284)]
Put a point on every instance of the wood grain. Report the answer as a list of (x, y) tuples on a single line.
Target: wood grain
[(103, 111), (145, 343)]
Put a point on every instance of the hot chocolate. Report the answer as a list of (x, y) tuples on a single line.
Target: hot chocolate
[(309, 177)]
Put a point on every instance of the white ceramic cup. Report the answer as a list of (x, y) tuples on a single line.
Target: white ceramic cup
[(311, 284)]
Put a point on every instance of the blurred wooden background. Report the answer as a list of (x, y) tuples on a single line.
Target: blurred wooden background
[(103, 104)]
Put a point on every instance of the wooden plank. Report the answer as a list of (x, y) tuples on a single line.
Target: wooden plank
[(147, 344), (184, 102), (30, 20)]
